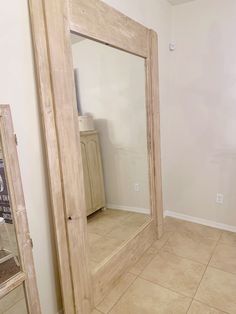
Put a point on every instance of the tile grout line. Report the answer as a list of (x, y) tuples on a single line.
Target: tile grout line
[(212, 307), (161, 248), (190, 259), (140, 275), (137, 276), (154, 255), (98, 310), (224, 271), (160, 285), (190, 305), (187, 258), (207, 266), (122, 293), (184, 257), (144, 267)]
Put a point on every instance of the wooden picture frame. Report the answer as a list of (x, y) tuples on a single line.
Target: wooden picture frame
[(52, 22), (27, 275)]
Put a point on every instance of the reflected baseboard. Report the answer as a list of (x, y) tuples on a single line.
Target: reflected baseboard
[(130, 209), (201, 221)]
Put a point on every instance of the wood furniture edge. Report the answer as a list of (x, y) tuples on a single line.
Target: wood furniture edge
[(18, 209), (56, 14), (65, 138), (154, 144), (46, 106), (99, 21)]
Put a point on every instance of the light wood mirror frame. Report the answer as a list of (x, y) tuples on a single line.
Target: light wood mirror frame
[(18, 210), (52, 22)]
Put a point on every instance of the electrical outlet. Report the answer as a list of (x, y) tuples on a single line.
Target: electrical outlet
[(136, 187), (219, 198)]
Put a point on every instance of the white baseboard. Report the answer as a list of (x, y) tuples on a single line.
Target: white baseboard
[(130, 209), (201, 221)]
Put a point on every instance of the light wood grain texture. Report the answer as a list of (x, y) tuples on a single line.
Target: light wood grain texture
[(123, 259), (51, 29), (66, 119), (18, 209), (67, 150), (99, 21), (52, 150), (93, 172), (153, 130)]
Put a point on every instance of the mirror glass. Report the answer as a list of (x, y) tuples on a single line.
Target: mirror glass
[(14, 302), (9, 260), (111, 101)]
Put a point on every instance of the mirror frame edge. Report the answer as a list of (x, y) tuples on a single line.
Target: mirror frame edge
[(27, 275), (42, 14)]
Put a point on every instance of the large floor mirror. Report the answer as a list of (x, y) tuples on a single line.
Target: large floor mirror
[(112, 117), (97, 73)]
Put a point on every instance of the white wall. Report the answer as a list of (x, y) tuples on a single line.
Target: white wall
[(111, 88), (17, 88), (155, 14), (200, 155)]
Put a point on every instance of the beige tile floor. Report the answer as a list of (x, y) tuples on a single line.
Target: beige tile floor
[(191, 269), (108, 230)]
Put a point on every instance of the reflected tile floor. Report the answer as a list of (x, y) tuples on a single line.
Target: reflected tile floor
[(14, 302), (7, 246), (191, 269), (108, 230)]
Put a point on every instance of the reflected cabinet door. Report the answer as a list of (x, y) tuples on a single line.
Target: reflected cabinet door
[(87, 186), (93, 172), (18, 290)]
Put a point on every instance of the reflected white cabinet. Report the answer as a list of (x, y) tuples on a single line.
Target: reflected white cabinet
[(93, 172)]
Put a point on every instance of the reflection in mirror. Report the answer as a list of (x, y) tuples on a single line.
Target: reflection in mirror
[(9, 261), (14, 302), (110, 88)]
